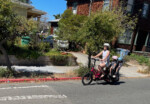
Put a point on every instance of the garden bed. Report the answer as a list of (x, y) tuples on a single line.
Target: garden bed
[(52, 58)]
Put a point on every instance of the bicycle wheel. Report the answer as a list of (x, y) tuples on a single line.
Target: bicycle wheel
[(87, 79)]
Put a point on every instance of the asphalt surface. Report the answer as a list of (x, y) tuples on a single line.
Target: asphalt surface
[(127, 91)]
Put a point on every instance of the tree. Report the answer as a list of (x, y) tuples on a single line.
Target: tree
[(57, 16), (102, 27), (69, 26), (96, 29), (12, 26)]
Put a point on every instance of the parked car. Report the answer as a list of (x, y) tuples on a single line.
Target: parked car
[(49, 40), (63, 44)]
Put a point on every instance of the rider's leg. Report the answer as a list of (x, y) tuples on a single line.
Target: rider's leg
[(101, 66), (119, 67), (110, 73)]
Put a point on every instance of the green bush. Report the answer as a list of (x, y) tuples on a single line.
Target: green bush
[(57, 58), (82, 71), (43, 47), (113, 52), (24, 52), (5, 73)]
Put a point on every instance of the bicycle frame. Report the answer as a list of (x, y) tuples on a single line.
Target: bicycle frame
[(94, 71)]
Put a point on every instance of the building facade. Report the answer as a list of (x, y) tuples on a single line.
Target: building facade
[(53, 26), (82, 7), (137, 40), (24, 8)]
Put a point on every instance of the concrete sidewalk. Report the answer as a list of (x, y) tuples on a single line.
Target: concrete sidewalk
[(130, 71), (45, 69)]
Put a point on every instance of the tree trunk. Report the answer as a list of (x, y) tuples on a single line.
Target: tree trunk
[(89, 59), (8, 63)]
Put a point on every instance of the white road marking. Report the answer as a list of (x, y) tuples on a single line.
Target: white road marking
[(25, 87), (32, 97)]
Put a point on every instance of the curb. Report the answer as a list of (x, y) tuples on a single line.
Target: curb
[(53, 79), (36, 80)]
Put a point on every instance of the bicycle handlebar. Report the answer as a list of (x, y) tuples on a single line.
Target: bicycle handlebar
[(95, 59)]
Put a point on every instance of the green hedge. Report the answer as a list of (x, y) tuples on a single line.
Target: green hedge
[(59, 59)]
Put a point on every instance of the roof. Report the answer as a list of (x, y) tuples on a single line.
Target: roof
[(56, 20), (32, 12), (36, 11), (24, 5)]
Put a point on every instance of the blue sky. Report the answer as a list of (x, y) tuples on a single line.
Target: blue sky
[(52, 7)]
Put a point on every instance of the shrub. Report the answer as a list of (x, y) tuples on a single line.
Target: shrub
[(24, 52), (5, 73), (82, 71), (58, 58), (43, 47)]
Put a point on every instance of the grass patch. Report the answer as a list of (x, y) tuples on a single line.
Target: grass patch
[(5, 73), (142, 60), (139, 58), (82, 71)]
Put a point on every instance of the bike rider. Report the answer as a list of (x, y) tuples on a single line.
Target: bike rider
[(104, 62)]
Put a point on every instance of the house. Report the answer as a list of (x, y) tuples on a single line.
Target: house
[(137, 40), (53, 26), (24, 8), (82, 7)]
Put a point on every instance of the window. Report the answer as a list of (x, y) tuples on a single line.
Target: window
[(145, 10), (130, 6), (126, 38), (106, 5), (74, 7)]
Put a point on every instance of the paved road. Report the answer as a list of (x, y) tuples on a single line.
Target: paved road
[(128, 91)]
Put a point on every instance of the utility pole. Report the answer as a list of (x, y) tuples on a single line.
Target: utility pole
[(89, 51), (90, 8)]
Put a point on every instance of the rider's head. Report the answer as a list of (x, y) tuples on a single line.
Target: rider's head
[(106, 46)]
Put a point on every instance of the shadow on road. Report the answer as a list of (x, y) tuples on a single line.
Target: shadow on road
[(32, 74), (106, 83)]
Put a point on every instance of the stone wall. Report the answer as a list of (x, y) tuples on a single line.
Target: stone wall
[(41, 61)]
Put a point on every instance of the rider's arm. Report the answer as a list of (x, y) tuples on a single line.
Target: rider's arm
[(99, 54), (106, 56)]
